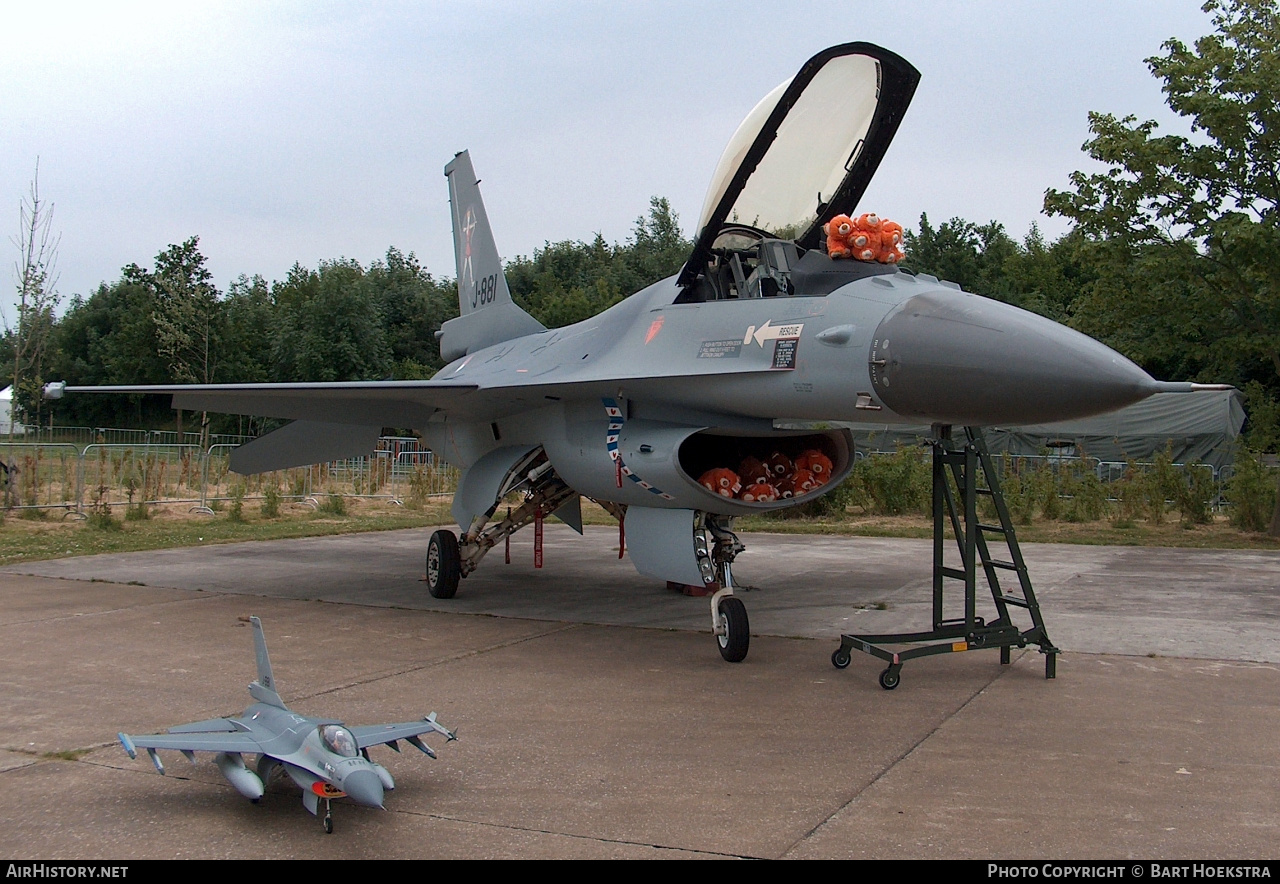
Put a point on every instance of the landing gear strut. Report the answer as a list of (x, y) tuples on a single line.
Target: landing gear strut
[(450, 558), (729, 621)]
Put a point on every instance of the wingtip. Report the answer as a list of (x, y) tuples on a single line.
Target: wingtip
[(127, 743)]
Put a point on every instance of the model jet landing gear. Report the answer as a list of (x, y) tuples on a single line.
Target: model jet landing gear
[(328, 817), (961, 474), (444, 565)]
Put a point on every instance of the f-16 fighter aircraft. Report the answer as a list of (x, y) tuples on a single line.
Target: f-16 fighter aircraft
[(646, 407), (322, 755)]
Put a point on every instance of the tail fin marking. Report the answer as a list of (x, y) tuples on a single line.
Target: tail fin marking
[(264, 689)]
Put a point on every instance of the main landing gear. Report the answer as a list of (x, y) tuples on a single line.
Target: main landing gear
[(450, 558), (444, 565)]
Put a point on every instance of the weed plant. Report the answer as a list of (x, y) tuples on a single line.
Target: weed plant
[(270, 502), (334, 505), (1251, 491)]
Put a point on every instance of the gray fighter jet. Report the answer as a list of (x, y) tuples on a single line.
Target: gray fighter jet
[(323, 756), (761, 328)]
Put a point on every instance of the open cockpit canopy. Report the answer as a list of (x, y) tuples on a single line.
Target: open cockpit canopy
[(806, 152)]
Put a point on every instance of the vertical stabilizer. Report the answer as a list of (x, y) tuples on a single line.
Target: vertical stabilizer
[(487, 315), (264, 689), (481, 281)]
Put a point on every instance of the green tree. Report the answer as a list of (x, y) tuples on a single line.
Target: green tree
[(412, 306), (568, 282), (1191, 221), (1188, 224), (328, 326), (105, 339), (965, 253)]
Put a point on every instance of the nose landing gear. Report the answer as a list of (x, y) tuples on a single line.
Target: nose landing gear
[(729, 621)]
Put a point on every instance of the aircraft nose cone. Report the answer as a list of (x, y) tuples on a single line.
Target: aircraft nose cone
[(951, 357), (364, 787)]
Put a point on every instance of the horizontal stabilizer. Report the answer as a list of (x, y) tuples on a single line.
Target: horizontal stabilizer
[(303, 443)]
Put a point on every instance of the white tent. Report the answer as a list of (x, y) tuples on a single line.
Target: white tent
[(7, 424)]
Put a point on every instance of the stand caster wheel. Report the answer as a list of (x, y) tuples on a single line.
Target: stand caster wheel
[(890, 679), (737, 632), (444, 565), (840, 658)]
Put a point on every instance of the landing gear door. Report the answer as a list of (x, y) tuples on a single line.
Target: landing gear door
[(661, 544), (479, 488)]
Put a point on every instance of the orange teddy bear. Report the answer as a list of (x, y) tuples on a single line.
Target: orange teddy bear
[(865, 238), (721, 481), (817, 463), (890, 243), (758, 492), (837, 231)]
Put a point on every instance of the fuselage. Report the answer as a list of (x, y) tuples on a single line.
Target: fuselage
[(296, 742), (890, 347)]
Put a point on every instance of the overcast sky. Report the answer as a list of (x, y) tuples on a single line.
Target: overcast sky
[(308, 131)]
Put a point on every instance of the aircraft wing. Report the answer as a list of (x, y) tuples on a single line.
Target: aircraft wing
[(366, 403), (377, 734)]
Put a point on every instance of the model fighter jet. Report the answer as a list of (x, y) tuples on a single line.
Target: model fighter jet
[(322, 755), (761, 327)]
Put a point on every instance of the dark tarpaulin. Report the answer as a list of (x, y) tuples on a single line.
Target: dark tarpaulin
[(1196, 427)]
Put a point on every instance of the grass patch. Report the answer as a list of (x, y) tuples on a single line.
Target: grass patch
[(22, 540)]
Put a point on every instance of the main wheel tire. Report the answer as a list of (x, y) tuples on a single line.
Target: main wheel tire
[(737, 631), (444, 565)]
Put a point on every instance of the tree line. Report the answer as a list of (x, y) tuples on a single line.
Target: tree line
[(1173, 259)]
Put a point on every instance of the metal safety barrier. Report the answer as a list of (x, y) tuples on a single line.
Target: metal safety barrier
[(155, 469)]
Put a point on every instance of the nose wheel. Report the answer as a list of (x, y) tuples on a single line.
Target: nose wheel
[(733, 631), (328, 817)]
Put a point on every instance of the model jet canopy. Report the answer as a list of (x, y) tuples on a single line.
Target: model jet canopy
[(808, 150)]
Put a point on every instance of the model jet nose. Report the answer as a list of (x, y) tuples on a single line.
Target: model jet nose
[(364, 787), (951, 357)]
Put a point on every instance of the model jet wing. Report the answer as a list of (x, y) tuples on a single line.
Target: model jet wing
[(193, 741), (378, 734)]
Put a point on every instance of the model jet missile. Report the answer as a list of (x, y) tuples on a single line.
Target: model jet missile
[(696, 375)]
